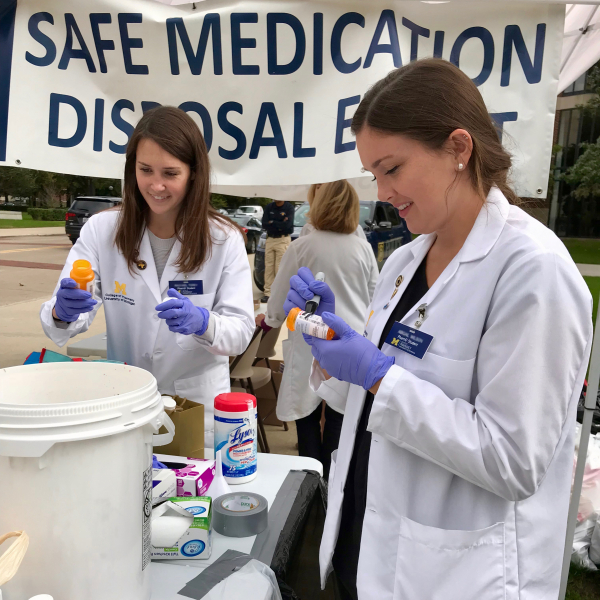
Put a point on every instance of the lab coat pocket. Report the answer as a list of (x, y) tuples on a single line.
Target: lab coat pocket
[(440, 564), (203, 300), (452, 376)]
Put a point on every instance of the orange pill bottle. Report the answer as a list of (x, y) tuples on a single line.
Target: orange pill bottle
[(310, 324), (83, 275)]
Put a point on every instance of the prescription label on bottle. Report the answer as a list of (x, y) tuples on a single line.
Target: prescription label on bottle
[(311, 325)]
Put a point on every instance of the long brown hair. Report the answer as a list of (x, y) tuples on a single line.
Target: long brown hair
[(174, 131), (335, 207), (426, 101)]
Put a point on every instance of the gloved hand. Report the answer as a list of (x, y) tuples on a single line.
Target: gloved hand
[(303, 287), (71, 301), (182, 315), (349, 356)]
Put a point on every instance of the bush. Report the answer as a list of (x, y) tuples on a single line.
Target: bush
[(47, 214)]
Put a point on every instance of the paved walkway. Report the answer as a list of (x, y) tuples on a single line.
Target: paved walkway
[(589, 270), (31, 231)]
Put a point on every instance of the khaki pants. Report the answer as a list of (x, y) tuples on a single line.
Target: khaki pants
[(274, 250)]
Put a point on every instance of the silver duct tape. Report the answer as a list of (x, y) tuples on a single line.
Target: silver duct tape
[(240, 514)]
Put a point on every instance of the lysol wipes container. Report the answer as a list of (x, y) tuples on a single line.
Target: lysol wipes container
[(236, 422)]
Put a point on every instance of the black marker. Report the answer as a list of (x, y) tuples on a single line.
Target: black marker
[(313, 303)]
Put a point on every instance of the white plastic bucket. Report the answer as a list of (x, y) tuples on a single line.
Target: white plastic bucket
[(75, 474)]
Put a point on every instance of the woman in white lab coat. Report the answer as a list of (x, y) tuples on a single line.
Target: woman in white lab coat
[(351, 272), (454, 468), (165, 240)]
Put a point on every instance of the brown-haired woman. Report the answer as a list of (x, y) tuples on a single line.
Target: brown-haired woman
[(165, 240), (351, 271), (454, 467)]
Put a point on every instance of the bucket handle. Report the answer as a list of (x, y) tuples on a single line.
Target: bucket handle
[(164, 438), (11, 560)]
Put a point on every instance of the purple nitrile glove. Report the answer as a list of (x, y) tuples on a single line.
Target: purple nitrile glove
[(349, 356), (182, 316), (303, 287), (71, 301)]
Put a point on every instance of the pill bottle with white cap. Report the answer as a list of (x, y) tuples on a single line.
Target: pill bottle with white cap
[(236, 423)]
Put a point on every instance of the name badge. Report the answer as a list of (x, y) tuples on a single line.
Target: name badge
[(189, 287), (409, 340)]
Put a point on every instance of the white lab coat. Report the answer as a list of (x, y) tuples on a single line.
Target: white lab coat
[(472, 447), (186, 365), (351, 271)]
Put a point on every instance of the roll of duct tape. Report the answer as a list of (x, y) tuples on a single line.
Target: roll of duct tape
[(240, 515)]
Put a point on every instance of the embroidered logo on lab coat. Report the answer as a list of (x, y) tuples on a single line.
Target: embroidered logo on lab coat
[(120, 295), (120, 288)]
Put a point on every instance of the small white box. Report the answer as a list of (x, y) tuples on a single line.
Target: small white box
[(182, 529), (193, 475), (164, 484)]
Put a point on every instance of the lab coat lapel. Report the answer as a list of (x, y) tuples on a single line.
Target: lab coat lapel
[(171, 270), (149, 274)]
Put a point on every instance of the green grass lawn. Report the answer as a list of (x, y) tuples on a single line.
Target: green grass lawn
[(584, 251), (583, 584), (28, 222), (594, 285)]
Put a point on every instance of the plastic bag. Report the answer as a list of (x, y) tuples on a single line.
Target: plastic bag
[(595, 544), (589, 503), (582, 542), (254, 581)]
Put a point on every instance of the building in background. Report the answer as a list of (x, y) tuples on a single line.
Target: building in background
[(566, 215)]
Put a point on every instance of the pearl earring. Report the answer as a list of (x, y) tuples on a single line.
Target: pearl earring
[(460, 166)]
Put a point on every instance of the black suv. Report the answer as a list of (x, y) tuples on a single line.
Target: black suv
[(82, 209)]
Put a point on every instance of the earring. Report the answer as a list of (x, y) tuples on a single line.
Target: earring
[(460, 166)]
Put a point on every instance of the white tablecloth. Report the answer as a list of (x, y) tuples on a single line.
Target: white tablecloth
[(168, 577)]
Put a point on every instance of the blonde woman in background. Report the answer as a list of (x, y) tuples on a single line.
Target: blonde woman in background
[(351, 272), (309, 227)]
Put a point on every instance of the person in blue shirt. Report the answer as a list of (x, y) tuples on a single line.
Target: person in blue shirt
[(278, 222)]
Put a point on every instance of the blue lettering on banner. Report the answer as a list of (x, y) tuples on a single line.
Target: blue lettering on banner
[(98, 125), (532, 70), (318, 44), (128, 43), (230, 129), (201, 110), (238, 43), (273, 66), (299, 151), (268, 111), (97, 19), (53, 140), (121, 124), (212, 22), (387, 18), (69, 52), (336, 42), (438, 44), (416, 31), (149, 105), (488, 51), (7, 32), (42, 39), (343, 124), (501, 118)]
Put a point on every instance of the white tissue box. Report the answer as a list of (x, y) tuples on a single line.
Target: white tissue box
[(182, 529), (193, 475), (164, 484)]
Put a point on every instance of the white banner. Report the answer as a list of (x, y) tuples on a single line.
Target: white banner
[(273, 84)]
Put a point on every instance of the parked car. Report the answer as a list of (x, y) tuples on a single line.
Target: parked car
[(252, 227), (82, 209), (250, 211), (222, 211), (384, 228)]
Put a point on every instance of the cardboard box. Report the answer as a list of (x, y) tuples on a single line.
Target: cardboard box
[(189, 429), (164, 484), (182, 529), (193, 476), (265, 396)]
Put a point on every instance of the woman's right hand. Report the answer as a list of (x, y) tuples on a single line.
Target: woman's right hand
[(304, 287), (72, 301)]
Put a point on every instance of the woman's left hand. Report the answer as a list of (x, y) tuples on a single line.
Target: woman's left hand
[(349, 356), (182, 316)]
